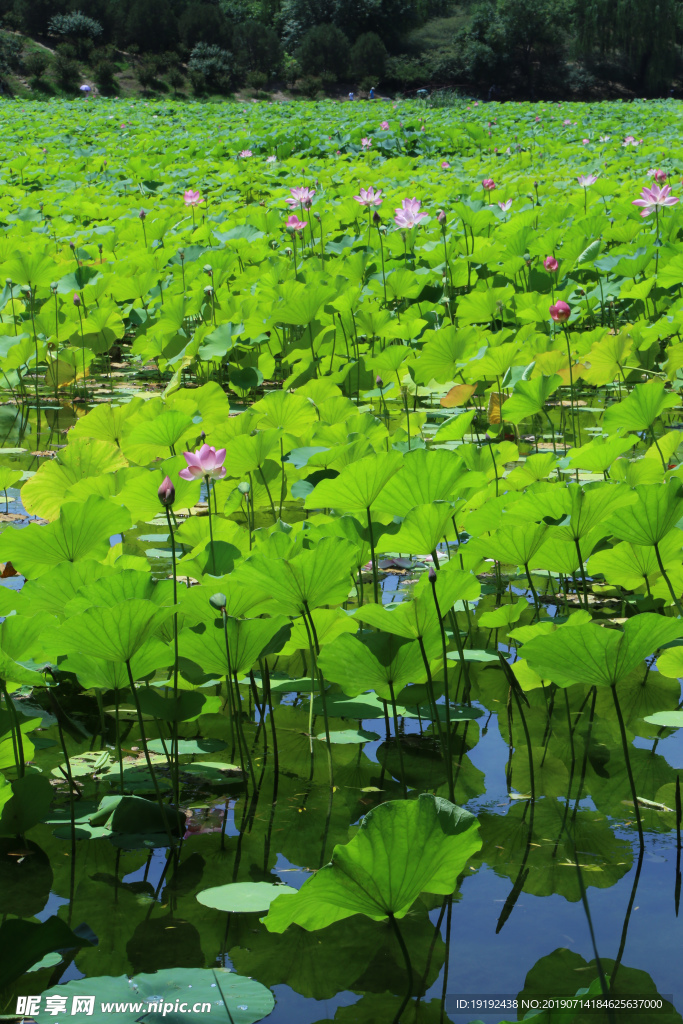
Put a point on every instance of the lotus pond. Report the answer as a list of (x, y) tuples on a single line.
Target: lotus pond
[(370, 702)]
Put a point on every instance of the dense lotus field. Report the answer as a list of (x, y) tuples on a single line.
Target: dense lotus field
[(342, 585)]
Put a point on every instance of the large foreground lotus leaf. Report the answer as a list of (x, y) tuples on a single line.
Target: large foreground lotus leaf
[(112, 633), (358, 485), (649, 519), (246, 640), (375, 661), (426, 476), (315, 576), (423, 528), (401, 849), (83, 530), (597, 655), (96, 673), (122, 586), (640, 409), (529, 397), (232, 999), (82, 459)]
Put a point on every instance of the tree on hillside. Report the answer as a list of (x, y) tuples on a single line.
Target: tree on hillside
[(324, 50), (643, 31)]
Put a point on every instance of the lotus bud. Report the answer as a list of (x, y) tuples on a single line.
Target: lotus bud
[(181, 253), (376, 219), (166, 492), (432, 574), (218, 601), (77, 299), (72, 246), (441, 216), (379, 382)]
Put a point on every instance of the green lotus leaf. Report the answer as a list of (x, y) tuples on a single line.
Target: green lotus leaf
[(82, 531), (246, 640), (358, 485), (243, 897), (374, 661), (316, 576), (596, 655), (641, 407), (232, 999), (113, 633), (427, 476), (529, 397), (666, 719), (655, 512), (401, 849), (423, 528)]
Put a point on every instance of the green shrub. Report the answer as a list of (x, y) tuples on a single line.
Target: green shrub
[(36, 64), (104, 72), (66, 71), (146, 72), (368, 57), (324, 48), (10, 53), (211, 68)]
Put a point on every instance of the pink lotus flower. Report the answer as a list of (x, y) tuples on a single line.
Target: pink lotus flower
[(560, 312), (584, 142), (207, 462), (654, 198), (550, 264), (294, 224), (488, 184), (368, 197), (445, 165), (659, 176), (384, 125), (301, 196), (246, 153), (408, 214), (586, 180), (505, 206), (191, 197), (366, 143), (271, 159), (566, 121)]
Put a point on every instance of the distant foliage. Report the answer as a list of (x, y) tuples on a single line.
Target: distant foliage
[(324, 50), (368, 57), (211, 68), (10, 53), (76, 25), (36, 64)]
